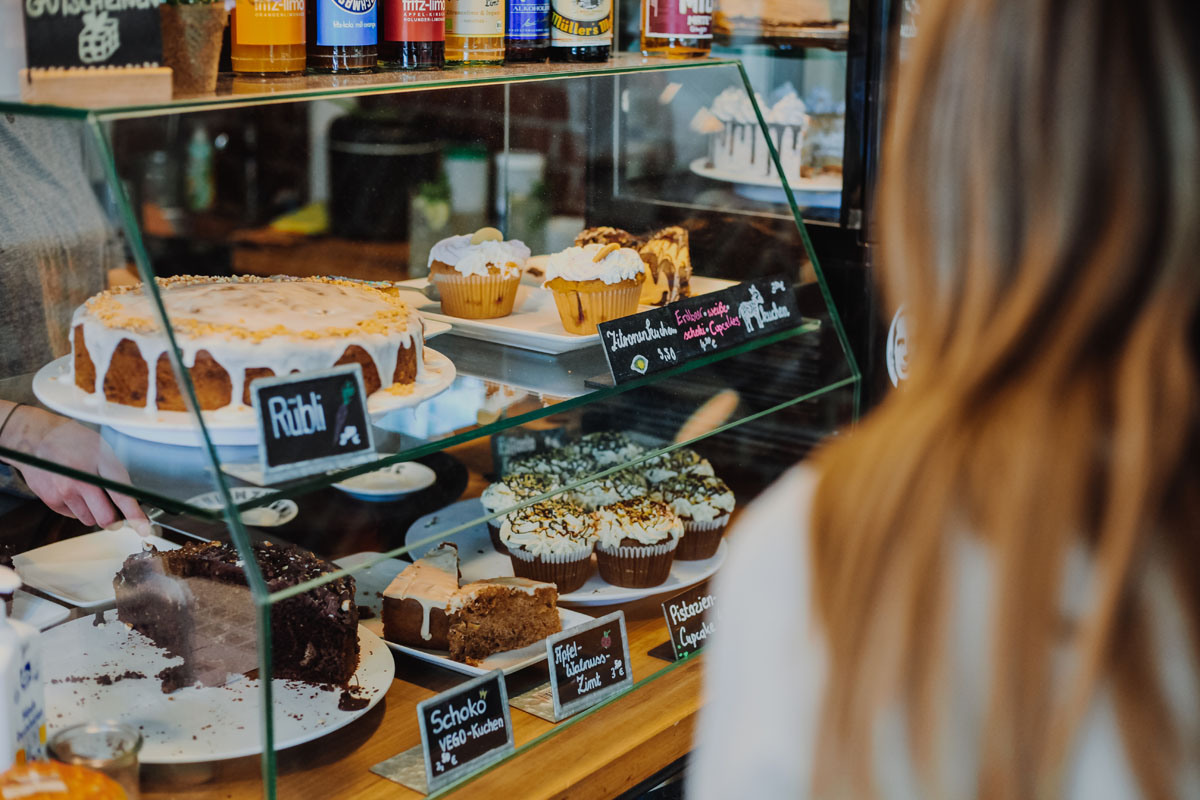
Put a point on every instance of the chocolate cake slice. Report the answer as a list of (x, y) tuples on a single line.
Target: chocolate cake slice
[(194, 602)]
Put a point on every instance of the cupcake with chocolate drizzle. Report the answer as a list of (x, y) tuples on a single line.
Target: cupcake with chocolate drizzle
[(551, 541), (703, 503), (636, 541), (510, 491)]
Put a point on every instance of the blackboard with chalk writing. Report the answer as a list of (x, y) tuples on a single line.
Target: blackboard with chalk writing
[(92, 33), (311, 422), (667, 337), (465, 729)]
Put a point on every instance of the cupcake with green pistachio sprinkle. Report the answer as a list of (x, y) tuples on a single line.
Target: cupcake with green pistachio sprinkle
[(704, 504), (551, 541), (510, 491), (636, 541)]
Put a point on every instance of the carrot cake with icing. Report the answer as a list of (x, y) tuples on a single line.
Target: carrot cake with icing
[(414, 603), (233, 330)]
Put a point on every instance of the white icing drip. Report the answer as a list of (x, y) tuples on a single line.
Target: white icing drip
[(430, 582), (290, 306)]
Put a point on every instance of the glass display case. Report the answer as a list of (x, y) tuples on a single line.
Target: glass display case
[(261, 664)]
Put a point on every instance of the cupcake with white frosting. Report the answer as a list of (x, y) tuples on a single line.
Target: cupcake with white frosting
[(623, 485), (564, 464), (551, 541), (636, 541), (508, 492), (681, 461), (477, 275), (593, 284), (608, 448), (703, 503)]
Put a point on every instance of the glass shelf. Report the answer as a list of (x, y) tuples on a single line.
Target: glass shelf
[(235, 91)]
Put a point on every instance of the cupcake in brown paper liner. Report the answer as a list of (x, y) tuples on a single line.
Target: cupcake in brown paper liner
[(636, 541), (551, 541)]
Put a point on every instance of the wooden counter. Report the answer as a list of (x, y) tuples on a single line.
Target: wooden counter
[(592, 755)]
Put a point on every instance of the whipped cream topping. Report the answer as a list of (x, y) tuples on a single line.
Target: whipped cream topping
[(696, 498), (641, 519), (578, 264), (476, 259), (706, 122), (677, 462), (550, 527), (733, 105), (623, 485), (790, 110), (563, 464), (516, 488), (608, 448)]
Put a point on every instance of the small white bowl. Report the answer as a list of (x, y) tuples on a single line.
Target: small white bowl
[(389, 483), (280, 512)]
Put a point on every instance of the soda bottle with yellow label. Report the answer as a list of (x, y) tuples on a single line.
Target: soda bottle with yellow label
[(267, 37)]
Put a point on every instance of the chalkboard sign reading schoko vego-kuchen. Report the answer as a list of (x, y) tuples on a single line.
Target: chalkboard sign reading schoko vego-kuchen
[(691, 619), (588, 664), (465, 729), (666, 337), (311, 422)]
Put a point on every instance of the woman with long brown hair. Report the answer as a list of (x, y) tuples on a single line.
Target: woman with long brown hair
[(991, 588)]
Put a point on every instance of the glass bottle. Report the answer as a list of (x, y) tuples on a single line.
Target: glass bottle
[(267, 37), (475, 32), (677, 28), (413, 35), (580, 30), (341, 35), (527, 30)]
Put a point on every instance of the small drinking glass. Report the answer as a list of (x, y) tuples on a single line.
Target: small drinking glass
[(108, 747)]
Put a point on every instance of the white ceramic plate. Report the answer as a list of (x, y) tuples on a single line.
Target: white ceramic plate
[(821, 183), (37, 611), (228, 426), (191, 724), (478, 559), (280, 512), (373, 580), (534, 323), (389, 483), (80, 570)]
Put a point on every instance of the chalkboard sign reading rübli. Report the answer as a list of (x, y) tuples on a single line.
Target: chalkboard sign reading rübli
[(666, 337), (589, 663), (465, 729), (691, 617), (92, 33), (311, 422)]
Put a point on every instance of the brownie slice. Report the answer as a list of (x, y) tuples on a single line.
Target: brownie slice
[(194, 602)]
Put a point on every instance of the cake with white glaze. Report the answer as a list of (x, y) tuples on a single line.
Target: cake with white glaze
[(231, 331), (414, 603)]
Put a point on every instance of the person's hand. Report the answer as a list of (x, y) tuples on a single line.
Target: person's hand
[(62, 441)]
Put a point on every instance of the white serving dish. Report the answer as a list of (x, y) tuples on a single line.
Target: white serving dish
[(80, 570), (192, 724), (389, 483), (371, 582)]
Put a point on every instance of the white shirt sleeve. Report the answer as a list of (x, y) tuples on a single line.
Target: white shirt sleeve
[(765, 669)]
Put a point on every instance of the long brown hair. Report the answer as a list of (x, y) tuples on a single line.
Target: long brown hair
[(1040, 220)]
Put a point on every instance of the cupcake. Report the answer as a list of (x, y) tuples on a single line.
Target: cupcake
[(477, 275), (508, 492), (703, 503), (608, 448), (551, 541), (623, 485), (682, 461), (563, 464), (636, 541), (593, 284)]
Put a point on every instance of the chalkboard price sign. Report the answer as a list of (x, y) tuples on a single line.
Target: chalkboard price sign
[(691, 619), (311, 422), (92, 33), (666, 337), (465, 729), (588, 664)]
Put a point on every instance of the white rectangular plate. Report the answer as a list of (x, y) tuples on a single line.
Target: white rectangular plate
[(80, 571), (373, 580), (534, 323)]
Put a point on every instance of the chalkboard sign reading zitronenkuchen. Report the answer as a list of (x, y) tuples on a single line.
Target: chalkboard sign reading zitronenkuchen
[(666, 337), (92, 33), (465, 729), (311, 422)]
